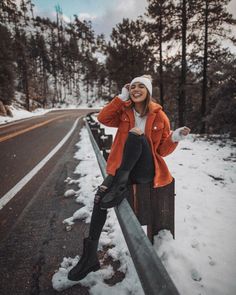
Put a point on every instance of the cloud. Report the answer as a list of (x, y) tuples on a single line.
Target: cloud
[(45, 13), (87, 16), (114, 15), (18, 3), (232, 8), (103, 23), (51, 14)]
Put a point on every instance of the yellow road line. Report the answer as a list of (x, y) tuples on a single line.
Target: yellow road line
[(16, 133)]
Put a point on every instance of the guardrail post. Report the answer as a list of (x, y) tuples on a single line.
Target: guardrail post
[(153, 207)]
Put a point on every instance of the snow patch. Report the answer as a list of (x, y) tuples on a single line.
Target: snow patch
[(69, 193)]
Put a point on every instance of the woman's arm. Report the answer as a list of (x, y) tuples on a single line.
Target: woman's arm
[(166, 146), (110, 114), (170, 139)]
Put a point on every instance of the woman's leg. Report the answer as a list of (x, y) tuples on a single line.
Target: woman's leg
[(132, 152), (144, 169), (99, 216), (136, 150), (89, 260)]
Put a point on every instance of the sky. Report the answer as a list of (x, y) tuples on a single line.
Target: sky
[(104, 14)]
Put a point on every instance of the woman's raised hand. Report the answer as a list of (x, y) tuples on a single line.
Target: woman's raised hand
[(127, 86), (124, 92)]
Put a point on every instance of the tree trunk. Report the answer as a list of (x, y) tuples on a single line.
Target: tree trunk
[(204, 81), (27, 100), (182, 90), (161, 62), (45, 86)]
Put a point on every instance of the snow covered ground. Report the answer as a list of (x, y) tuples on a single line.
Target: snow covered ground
[(19, 113), (202, 258)]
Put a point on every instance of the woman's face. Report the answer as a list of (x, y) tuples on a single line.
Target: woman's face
[(138, 92)]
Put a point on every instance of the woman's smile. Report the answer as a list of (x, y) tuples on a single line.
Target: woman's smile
[(138, 92)]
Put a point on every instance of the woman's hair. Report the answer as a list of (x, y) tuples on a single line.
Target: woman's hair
[(147, 100)]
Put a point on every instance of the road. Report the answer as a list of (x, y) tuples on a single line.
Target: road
[(33, 240)]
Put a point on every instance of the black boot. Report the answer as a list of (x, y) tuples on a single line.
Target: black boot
[(87, 263), (117, 191)]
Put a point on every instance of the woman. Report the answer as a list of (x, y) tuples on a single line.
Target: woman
[(143, 138)]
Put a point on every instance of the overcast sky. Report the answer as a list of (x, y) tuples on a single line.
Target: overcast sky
[(104, 14)]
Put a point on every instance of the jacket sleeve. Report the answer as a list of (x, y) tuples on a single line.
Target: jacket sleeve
[(166, 146), (110, 114)]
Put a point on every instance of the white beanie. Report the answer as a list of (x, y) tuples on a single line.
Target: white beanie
[(145, 81)]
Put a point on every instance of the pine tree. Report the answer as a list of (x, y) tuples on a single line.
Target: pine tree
[(8, 11), (160, 31), (23, 65), (7, 67), (44, 65), (184, 13), (215, 21), (129, 54), (54, 65), (222, 97), (24, 10)]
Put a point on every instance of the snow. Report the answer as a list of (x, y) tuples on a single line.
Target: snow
[(69, 193), (205, 214), (19, 113), (202, 258), (72, 103)]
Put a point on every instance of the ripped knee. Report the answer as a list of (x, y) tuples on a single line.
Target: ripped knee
[(97, 199), (100, 194)]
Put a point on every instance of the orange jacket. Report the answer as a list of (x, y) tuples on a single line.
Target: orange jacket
[(157, 130)]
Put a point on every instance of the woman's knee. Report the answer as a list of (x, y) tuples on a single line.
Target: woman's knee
[(108, 181)]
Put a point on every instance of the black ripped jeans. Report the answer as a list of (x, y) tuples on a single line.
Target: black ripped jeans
[(138, 159)]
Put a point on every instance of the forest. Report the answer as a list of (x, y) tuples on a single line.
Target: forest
[(181, 44)]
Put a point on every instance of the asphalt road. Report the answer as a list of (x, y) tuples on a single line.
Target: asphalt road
[(33, 240), (24, 144)]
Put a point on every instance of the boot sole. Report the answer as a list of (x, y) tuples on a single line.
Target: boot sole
[(83, 275)]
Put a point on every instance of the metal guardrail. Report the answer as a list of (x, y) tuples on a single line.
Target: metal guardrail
[(153, 276)]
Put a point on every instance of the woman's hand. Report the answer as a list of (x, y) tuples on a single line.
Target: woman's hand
[(124, 92), (184, 131), (180, 133), (127, 86)]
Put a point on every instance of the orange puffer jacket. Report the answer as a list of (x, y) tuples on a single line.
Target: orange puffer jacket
[(157, 130)]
